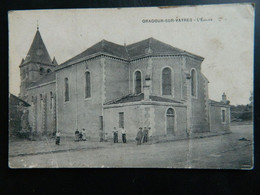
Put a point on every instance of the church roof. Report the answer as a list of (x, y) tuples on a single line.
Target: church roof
[(38, 51), (104, 47), (49, 77), (136, 50), (140, 97), (151, 46)]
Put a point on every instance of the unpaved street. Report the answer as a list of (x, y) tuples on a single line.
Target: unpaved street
[(225, 151)]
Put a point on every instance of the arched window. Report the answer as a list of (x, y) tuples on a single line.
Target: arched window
[(48, 70), (193, 83), (66, 89), (41, 71), (32, 99), (41, 100), (87, 85), (166, 81), (170, 120), (138, 82), (51, 99)]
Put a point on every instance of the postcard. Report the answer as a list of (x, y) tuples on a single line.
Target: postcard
[(151, 87)]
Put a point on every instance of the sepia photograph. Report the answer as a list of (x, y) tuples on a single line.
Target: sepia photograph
[(151, 87)]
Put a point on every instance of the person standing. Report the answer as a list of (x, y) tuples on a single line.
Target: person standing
[(57, 138), (145, 134), (115, 133), (139, 136), (76, 135), (84, 134), (123, 130)]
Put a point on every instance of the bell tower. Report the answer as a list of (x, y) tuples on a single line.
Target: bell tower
[(36, 65)]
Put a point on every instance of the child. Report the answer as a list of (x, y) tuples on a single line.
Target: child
[(57, 138), (83, 134)]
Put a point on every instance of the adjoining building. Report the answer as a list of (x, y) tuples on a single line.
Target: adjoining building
[(17, 107), (145, 84)]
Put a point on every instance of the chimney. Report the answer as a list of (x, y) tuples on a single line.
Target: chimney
[(147, 86), (224, 98)]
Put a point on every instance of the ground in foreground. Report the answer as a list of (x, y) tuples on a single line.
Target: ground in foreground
[(230, 151)]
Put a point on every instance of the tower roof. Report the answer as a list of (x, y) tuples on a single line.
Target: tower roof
[(38, 51)]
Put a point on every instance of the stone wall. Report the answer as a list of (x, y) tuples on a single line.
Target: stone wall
[(180, 120), (41, 115), (198, 119), (80, 112), (143, 114), (116, 78), (216, 123), (154, 66)]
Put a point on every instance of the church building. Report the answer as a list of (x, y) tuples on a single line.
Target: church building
[(144, 84)]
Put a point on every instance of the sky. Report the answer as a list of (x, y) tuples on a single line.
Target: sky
[(224, 37)]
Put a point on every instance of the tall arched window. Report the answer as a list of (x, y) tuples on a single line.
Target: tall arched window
[(193, 83), (166, 81), (87, 85), (51, 99), (41, 101), (170, 121), (138, 82), (66, 89)]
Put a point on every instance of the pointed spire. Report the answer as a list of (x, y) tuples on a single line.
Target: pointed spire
[(54, 62), (38, 51)]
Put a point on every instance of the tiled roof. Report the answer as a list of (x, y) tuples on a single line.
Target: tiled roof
[(149, 46), (217, 103), (45, 79), (38, 51), (103, 46), (140, 97)]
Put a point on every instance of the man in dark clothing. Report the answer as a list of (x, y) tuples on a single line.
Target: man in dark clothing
[(139, 136), (115, 133), (123, 131), (145, 132)]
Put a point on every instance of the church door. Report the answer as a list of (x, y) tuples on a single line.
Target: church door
[(170, 121)]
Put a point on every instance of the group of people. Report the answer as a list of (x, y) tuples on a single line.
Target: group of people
[(80, 136), (142, 135), (115, 134)]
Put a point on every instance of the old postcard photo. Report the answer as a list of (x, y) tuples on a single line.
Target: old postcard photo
[(154, 87)]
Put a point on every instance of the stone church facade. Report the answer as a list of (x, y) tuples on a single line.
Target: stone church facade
[(145, 84)]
